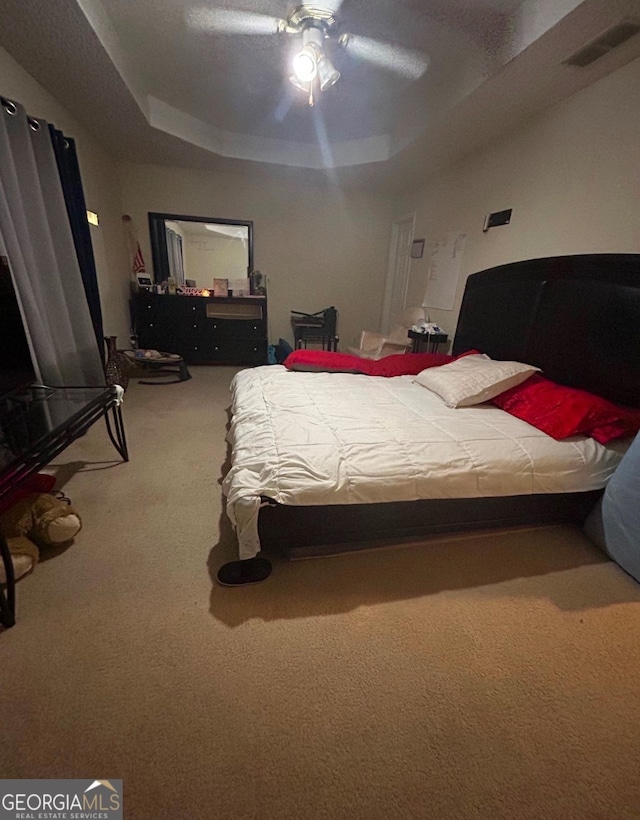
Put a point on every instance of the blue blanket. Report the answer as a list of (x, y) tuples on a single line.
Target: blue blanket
[(614, 524)]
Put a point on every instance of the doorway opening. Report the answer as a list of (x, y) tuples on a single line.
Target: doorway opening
[(395, 294)]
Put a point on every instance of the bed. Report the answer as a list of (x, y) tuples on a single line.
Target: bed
[(324, 459)]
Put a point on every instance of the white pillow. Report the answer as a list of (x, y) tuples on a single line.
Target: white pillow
[(473, 379)]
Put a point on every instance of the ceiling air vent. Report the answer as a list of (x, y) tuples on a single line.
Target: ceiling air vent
[(611, 39)]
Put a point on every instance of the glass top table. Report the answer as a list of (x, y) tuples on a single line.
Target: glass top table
[(36, 424)]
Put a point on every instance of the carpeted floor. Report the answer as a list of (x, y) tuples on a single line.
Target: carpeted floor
[(491, 676)]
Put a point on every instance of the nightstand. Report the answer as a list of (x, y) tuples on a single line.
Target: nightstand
[(426, 342)]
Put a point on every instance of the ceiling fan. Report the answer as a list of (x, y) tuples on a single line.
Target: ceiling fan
[(312, 69)]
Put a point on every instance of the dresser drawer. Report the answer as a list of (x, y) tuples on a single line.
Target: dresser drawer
[(199, 352), (193, 313), (236, 328), (212, 351)]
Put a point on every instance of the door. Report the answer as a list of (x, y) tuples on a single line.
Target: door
[(398, 272)]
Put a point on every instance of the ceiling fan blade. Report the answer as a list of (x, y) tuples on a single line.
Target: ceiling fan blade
[(230, 21), (404, 61)]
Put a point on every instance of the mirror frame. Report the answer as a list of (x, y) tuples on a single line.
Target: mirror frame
[(159, 253)]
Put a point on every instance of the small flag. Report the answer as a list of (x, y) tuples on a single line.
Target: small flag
[(138, 261), (137, 264)]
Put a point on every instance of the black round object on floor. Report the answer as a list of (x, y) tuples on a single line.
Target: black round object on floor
[(241, 573)]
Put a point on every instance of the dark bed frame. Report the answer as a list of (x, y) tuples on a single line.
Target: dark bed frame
[(575, 317)]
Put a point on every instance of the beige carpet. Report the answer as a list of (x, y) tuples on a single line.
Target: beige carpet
[(495, 676)]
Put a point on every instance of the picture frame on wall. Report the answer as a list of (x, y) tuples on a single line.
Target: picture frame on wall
[(417, 249)]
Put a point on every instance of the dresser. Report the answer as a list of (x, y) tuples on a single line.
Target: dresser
[(203, 329)]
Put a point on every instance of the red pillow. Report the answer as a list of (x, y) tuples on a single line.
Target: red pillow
[(323, 361), (400, 364), (562, 411)]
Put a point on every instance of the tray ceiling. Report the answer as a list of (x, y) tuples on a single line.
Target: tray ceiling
[(156, 89)]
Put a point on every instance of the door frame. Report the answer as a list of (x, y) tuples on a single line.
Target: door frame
[(393, 250)]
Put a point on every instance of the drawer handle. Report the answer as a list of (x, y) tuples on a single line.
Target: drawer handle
[(150, 324), (195, 325), (216, 347)]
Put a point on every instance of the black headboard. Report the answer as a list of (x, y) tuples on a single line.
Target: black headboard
[(575, 317)]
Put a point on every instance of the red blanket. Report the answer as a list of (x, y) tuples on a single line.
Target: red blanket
[(402, 364)]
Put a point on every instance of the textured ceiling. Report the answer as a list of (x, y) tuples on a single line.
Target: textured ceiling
[(151, 91), (239, 84)]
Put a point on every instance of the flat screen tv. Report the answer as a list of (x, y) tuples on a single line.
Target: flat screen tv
[(16, 366)]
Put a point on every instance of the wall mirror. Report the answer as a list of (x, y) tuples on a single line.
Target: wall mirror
[(195, 250)]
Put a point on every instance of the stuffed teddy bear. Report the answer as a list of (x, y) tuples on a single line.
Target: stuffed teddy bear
[(37, 520)]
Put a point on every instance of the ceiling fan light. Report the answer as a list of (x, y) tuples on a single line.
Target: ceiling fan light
[(305, 65), (328, 74)]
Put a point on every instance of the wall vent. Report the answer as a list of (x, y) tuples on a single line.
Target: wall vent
[(611, 39)]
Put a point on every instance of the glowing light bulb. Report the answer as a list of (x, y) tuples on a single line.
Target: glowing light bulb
[(305, 65)]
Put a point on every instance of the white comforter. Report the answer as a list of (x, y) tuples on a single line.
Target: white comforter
[(338, 438)]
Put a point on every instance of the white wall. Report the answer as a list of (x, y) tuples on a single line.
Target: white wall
[(317, 246), (571, 175), (101, 188)]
